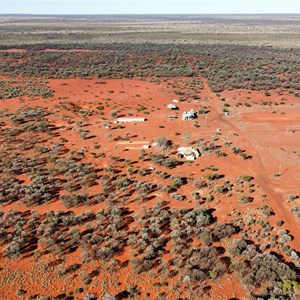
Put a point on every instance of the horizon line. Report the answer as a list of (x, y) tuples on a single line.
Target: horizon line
[(145, 14)]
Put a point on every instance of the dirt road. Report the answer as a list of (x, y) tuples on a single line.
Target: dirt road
[(262, 175)]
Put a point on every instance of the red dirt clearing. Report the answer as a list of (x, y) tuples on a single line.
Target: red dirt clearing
[(92, 106)]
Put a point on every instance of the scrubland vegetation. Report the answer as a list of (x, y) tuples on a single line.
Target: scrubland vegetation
[(224, 66), (88, 212)]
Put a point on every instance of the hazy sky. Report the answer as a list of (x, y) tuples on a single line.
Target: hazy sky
[(148, 7)]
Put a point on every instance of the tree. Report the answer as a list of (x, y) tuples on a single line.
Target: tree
[(91, 296), (163, 142), (83, 134), (114, 113)]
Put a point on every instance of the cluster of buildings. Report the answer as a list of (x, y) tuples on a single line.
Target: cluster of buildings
[(186, 115), (189, 153)]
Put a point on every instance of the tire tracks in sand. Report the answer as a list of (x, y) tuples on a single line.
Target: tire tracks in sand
[(275, 200)]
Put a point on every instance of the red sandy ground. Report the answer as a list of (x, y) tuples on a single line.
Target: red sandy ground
[(273, 133), (271, 139)]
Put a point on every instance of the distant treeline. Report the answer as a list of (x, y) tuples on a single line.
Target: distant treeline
[(225, 66)]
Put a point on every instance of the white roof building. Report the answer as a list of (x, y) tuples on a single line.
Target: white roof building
[(189, 153), (189, 115), (130, 120), (172, 106)]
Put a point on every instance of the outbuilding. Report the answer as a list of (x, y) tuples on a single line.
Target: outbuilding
[(189, 115), (189, 153), (172, 106), (130, 120)]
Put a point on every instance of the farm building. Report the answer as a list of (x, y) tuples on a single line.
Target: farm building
[(189, 153), (129, 120), (189, 115), (172, 106)]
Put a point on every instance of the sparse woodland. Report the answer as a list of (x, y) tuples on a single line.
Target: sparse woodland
[(224, 66), (110, 217), (200, 249)]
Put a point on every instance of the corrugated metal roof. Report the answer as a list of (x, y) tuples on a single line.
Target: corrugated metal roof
[(171, 106)]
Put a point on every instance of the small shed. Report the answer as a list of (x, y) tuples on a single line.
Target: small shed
[(130, 120), (172, 106), (189, 153), (189, 115)]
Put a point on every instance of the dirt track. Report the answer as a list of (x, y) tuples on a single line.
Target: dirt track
[(262, 175)]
